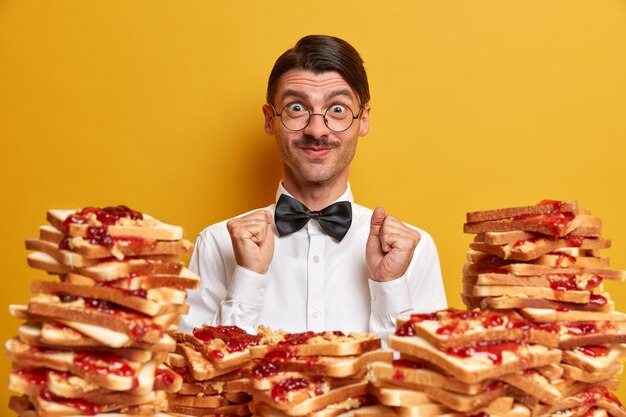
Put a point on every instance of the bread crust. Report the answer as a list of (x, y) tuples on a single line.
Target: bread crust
[(536, 209), (460, 328), (137, 327), (149, 305), (110, 271), (324, 344), (332, 366), (506, 302), (417, 378), (148, 228), (472, 370), (226, 360), (527, 250), (63, 361)]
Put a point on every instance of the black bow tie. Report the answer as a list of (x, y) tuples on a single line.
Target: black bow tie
[(291, 216)]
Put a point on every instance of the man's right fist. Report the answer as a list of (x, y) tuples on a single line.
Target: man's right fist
[(253, 240)]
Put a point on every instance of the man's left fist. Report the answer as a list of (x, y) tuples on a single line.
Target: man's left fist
[(390, 246)]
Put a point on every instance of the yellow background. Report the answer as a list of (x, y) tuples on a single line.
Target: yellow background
[(157, 105)]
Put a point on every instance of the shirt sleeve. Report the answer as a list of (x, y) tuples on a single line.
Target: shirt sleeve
[(204, 301), (223, 298), (245, 299), (419, 290)]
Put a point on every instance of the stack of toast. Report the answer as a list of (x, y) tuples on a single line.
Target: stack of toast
[(460, 361), (542, 262), (314, 374), (215, 364), (94, 342)]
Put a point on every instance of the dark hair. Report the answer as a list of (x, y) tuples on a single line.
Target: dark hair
[(320, 54)]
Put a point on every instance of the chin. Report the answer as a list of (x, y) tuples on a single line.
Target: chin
[(316, 177)]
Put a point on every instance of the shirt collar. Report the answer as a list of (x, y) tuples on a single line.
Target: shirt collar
[(346, 196)]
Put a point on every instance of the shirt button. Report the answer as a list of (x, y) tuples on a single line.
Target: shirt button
[(315, 314), (316, 259)]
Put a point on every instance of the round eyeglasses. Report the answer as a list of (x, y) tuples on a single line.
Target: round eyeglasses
[(296, 116)]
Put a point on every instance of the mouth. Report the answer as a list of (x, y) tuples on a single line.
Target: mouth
[(316, 151)]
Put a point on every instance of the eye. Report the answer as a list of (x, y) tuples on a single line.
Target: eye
[(337, 110), (295, 108)]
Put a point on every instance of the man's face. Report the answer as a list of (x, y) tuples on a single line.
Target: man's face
[(315, 154)]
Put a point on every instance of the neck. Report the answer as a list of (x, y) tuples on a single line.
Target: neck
[(316, 196)]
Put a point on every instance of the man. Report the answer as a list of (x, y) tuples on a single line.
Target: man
[(315, 260)]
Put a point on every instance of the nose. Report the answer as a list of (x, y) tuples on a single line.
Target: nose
[(316, 128)]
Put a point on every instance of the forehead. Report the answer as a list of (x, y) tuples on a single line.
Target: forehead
[(308, 85)]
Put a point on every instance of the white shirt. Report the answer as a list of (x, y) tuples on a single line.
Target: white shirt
[(313, 283)]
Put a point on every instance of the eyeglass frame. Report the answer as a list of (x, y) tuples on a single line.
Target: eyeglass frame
[(354, 117)]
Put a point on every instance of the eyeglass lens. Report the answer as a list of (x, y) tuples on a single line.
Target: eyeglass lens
[(296, 116)]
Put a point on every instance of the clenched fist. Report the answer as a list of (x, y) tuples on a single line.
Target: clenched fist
[(390, 246), (253, 240)]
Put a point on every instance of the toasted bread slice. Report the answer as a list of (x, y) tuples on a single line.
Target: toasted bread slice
[(547, 315), (311, 343), (396, 396), (24, 408), (571, 296), (224, 346), (577, 374), (332, 366), (505, 238), (346, 408), (150, 302), (594, 358), (593, 396), (205, 401), (478, 366), (584, 333), (288, 391), (66, 335), (48, 404), (530, 269), (526, 250), (543, 207), (110, 270), (265, 383), (460, 328), (143, 226), (581, 282), (119, 248), (411, 374), (67, 385), (467, 403), (241, 385), (561, 260), (101, 313), (186, 280), (227, 410), (534, 383), (598, 303), (201, 368), (30, 382), (369, 411), (108, 371), (333, 396), (67, 258)]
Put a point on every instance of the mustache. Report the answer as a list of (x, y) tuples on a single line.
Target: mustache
[(308, 141)]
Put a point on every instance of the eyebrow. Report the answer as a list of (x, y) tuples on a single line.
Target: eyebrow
[(294, 93), (340, 93), (337, 93)]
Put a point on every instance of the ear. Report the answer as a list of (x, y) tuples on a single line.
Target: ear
[(268, 113), (364, 126)]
